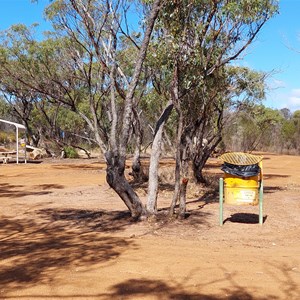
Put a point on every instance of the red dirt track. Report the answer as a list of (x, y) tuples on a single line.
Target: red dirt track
[(64, 234)]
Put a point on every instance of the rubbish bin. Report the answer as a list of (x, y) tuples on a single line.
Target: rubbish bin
[(242, 182), (239, 191)]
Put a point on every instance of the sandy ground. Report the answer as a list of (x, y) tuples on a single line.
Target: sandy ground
[(64, 234)]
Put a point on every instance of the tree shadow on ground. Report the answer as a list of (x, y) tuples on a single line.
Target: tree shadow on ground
[(184, 289), (137, 288), (193, 217), (209, 196), (172, 289), (32, 252), (17, 191), (48, 186), (89, 220), (80, 166)]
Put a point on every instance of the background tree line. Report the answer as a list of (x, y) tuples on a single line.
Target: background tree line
[(260, 129), (168, 85)]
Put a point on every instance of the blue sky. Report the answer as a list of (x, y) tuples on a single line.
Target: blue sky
[(22, 11), (278, 48), (272, 50)]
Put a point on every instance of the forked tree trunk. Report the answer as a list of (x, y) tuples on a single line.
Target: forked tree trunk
[(117, 181), (115, 159)]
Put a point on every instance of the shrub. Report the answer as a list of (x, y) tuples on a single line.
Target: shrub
[(70, 152)]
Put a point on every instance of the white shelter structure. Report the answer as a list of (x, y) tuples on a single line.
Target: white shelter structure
[(17, 127)]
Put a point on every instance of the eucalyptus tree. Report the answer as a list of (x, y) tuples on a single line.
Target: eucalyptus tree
[(290, 133), (38, 79), (20, 103), (15, 59), (236, 89), (255, 127), (94, 29), (201, 38)]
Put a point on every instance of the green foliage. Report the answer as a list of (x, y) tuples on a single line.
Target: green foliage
[(7, 138), (296, 116), (288, 130), (266, 117), (69, 121), (247, 82), (249, 10), (70, 152), (5, 109), (256, 127)]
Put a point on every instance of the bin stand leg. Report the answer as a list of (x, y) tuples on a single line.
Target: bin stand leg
[(221, 188), (261, 193)]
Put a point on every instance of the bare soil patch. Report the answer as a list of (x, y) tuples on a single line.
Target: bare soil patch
[(64, 234)]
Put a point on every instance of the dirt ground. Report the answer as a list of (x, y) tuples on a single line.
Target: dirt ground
[(64, 234)]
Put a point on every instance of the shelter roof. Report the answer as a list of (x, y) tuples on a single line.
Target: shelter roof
[(17, 125)]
